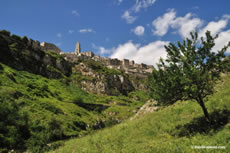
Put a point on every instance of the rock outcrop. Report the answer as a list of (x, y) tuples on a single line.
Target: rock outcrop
[(49, 47), (23, 54), (103, 83), (97, 74), (148, 107), (128, 66)]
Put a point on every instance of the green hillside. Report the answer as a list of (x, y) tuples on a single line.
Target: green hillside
[(42, 101), (48, 103), (172, 129)]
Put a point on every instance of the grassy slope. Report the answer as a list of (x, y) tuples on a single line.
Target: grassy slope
[(172, 129), (45, 99)]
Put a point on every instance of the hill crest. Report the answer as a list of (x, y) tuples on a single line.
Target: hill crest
[(126, 65)]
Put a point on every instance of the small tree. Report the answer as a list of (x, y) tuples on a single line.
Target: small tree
[(189, 72)]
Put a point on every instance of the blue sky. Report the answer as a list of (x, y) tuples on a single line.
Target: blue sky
[(133, 29)]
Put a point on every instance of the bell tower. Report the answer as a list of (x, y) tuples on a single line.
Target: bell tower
[(78, 48)]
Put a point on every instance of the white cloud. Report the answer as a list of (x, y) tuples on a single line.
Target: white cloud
[(148, 54), (71, 31), (59, 35), (139, 30), (128, 18), (222, 40), (74, 12), (142, 4), (101, 50), (119, 1), (104, 51), (215, 26), (59, 44), (184, 25), (86, 30), (161, 24)]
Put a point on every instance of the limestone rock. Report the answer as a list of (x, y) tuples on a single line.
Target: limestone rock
[(50, 47), (148, 107), (26, 55)]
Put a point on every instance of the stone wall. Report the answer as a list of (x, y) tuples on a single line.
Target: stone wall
[(88, 53), (34, 44), (124, 65), (129, 66)]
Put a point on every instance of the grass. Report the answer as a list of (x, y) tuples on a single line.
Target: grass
[(62, 100), (176, 128), (45, 98), (98, 67)]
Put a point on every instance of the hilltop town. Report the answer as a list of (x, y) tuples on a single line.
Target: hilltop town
[(128, 66)]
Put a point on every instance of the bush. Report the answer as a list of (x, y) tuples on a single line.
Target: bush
[(51, 108), (1, 68), (114, 92), (45, 88), (39, 138), (14, 130), (25, 39), (5, 32), (16, 37), (78, 100), (42, 135)]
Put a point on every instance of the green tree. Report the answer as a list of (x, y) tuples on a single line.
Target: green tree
[(189, 72)]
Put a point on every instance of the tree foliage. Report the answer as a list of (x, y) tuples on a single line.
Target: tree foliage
[(189, 72)]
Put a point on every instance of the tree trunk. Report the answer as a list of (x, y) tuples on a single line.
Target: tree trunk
[(201, 102)]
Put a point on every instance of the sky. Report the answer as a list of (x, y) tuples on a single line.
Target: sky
[(131, 29)]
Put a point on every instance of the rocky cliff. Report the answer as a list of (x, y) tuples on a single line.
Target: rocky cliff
[(23, 54), (98, 79), (95, 75)]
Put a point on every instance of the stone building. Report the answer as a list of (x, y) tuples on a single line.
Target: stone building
[(78, 49), (129, 66), (125, 62), (79, 53)]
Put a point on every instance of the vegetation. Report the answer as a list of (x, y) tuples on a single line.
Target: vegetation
[(176, 128), (98, 67), (42, 111), (14, 130), (42, 105), (189, 72), (23, 54)]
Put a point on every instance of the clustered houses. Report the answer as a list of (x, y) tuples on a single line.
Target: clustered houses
[(125, 64)]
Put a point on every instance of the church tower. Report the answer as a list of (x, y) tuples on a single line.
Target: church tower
[(78, 48)]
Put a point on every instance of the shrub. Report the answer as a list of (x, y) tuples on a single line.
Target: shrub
[(5, 32), (14, 129), (25, 39), (42, 135), (16, 37), (45, 88), (78, 100), (39, 138)]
